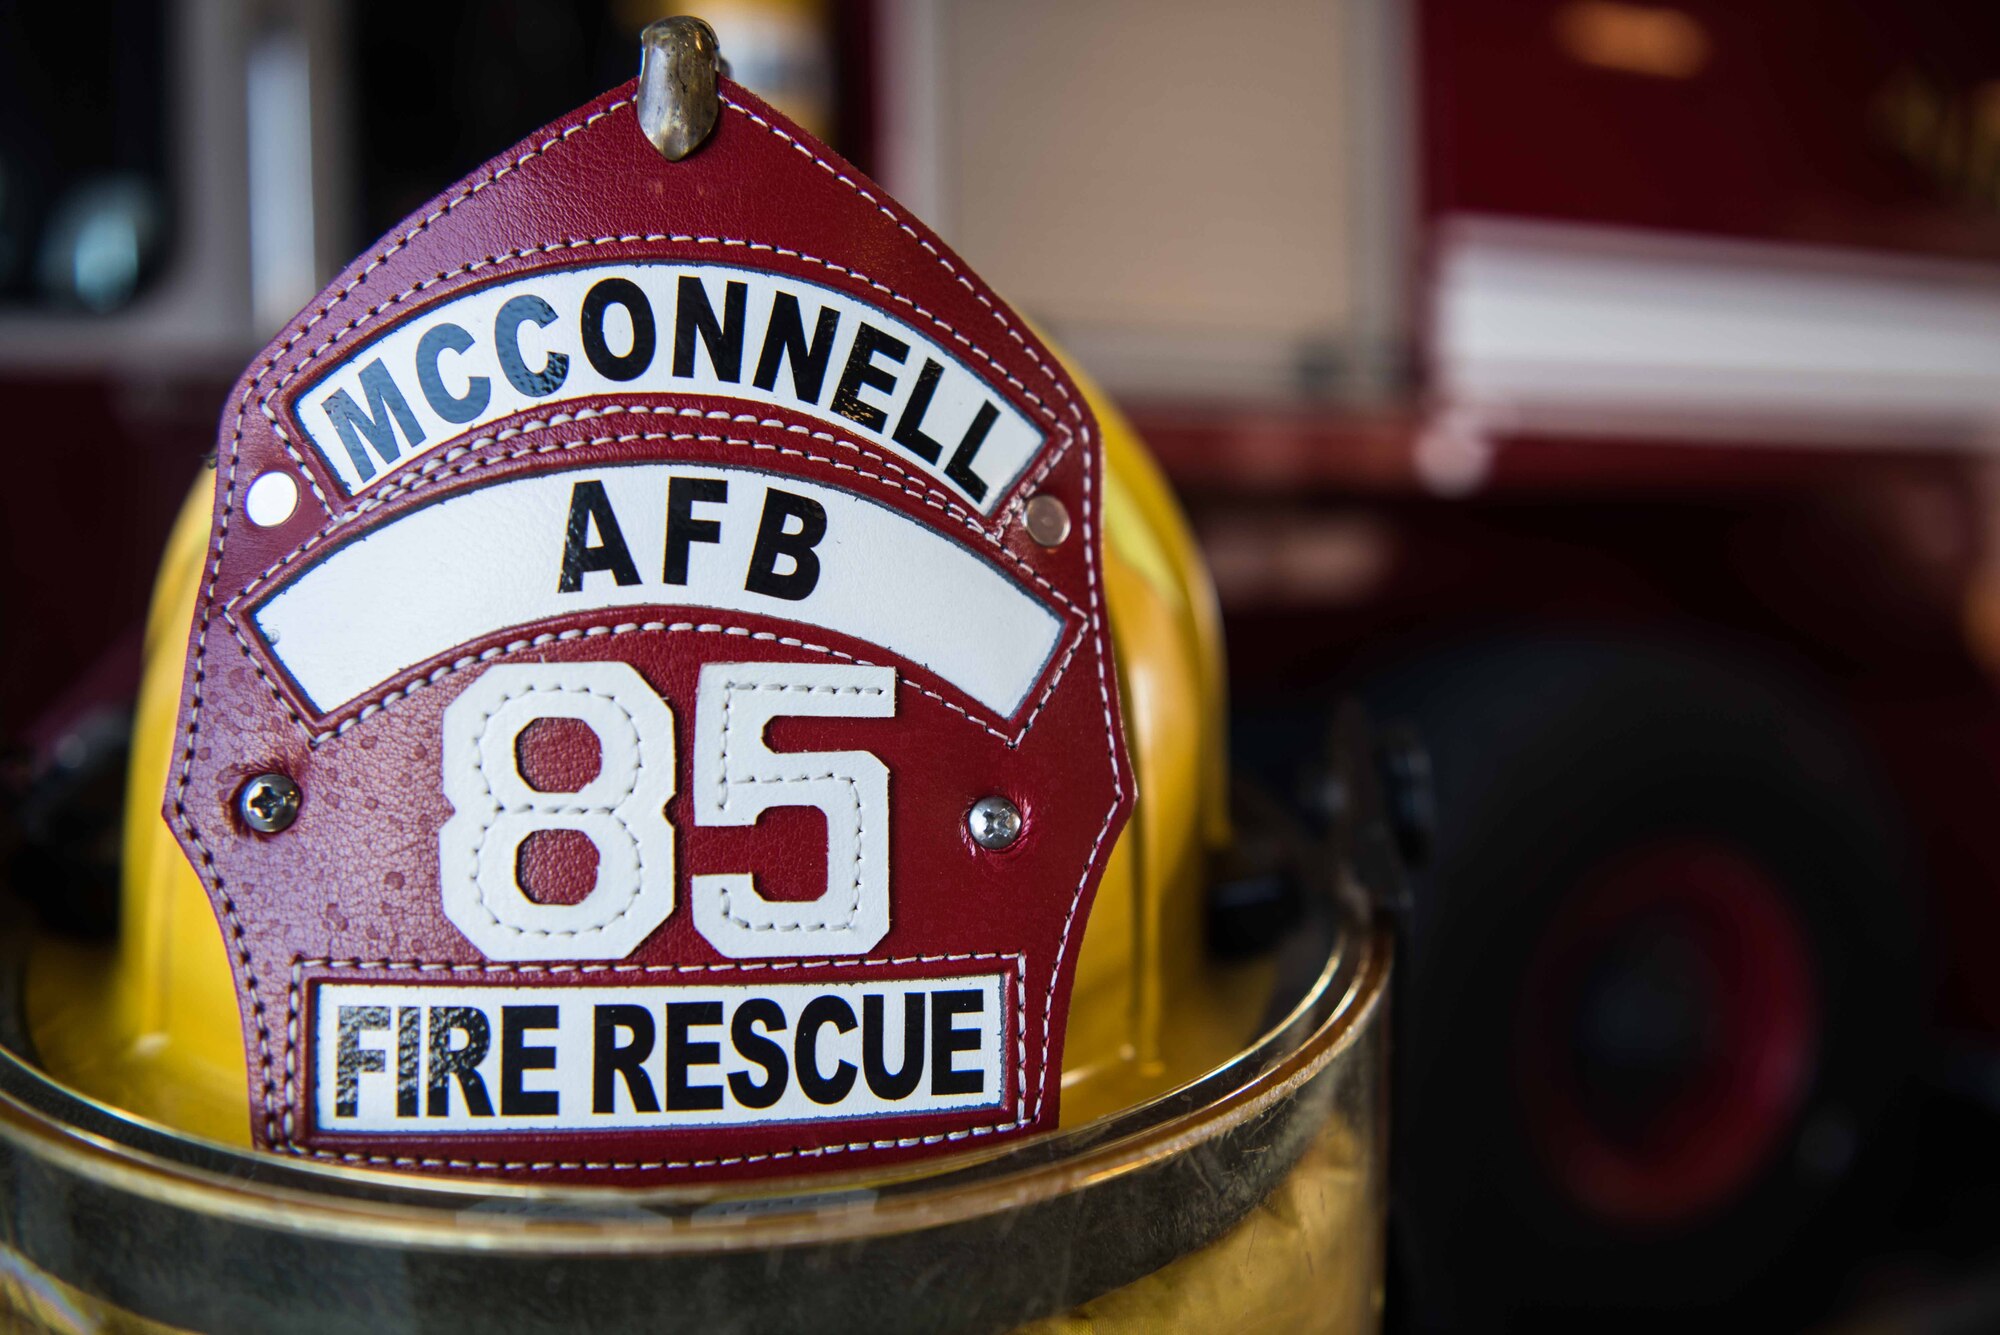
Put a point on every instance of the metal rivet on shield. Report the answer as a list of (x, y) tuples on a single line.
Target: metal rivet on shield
[(269, 803), (995, 823), (679, 62), (1047, 519)]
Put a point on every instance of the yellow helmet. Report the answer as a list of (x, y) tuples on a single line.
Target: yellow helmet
[(1209, 1151)]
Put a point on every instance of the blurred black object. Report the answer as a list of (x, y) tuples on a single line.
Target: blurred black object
[(61, 826), (86, 198), (440, 88), (1358, 818)]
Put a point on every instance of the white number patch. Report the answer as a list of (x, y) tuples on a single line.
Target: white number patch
[(737, 778), (622, 810)]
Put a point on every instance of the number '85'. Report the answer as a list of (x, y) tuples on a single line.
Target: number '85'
[(621, 811)]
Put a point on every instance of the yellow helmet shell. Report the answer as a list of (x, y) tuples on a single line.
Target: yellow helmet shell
[(152, 1026)]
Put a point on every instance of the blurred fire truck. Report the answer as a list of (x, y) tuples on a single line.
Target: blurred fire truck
[(1609, 389)]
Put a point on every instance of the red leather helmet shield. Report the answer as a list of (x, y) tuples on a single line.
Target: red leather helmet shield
[(626, 563)]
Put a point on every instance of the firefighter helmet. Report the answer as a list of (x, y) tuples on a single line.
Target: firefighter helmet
[(679, 778)]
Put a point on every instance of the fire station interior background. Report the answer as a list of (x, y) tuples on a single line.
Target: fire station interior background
[(1607, 389)]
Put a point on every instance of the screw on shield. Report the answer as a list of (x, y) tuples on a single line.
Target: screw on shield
[(269, 803), (994, 822)]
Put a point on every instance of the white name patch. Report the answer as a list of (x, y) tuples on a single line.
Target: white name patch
[(732, 539), (545, 340), (420, 1058)]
